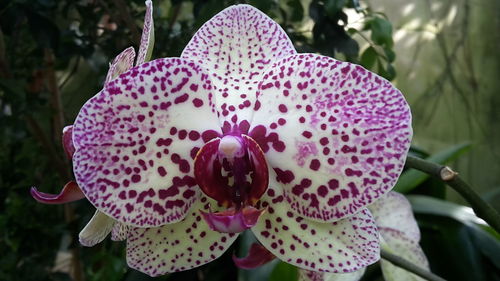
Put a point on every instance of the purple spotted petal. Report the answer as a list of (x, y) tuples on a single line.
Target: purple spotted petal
[(123, 62), (342, 246), (119, 231), (257, 256), (148, 36), (400, 244), (393, 211), (307, 275), (96, 230), (70, 192), (136, 140), (237, 45), (336, 134), (176, 247)]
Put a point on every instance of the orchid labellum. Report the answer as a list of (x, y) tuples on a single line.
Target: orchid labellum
[(241, 132)]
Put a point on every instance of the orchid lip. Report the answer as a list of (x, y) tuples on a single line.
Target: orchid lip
[(232, 220), (232, 170)]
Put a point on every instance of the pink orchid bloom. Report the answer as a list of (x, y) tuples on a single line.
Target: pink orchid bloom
[(241, 132), (399, 233)]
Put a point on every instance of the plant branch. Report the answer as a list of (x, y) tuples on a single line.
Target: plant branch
[(408, 266), (129, 21), (450, 177), (55, 97)]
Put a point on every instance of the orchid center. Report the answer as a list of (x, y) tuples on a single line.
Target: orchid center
[(233, 171)]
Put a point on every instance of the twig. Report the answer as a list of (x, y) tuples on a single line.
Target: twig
[(38, 133), (4, 69), (72, 72), (450, 177), (129, 21), (408, 266), (58, 124), (55, 97)]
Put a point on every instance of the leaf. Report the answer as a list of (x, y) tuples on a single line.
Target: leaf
[(412, 178), (297, 10), (389, 54), (284, 271), (381, 31), (368, 57), (428, 205), (332, 7), (455, 241)]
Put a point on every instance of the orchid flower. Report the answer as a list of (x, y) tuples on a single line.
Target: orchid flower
[(101, 225), (399, 233), (241, 132)]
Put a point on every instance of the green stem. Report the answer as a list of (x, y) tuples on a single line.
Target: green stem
[(450, 177), (408, 266)]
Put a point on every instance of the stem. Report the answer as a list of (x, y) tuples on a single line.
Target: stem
[(129, 21), (450, 177), (408, 266), (55, 97)]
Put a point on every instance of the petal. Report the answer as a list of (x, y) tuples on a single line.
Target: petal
[(96, 229), (394, 211), (343, 246), (71, 192), (336, 134), (257, 256), (148, 36), (237, 45), (123, 62), (136, 140), (307, 275), (176, 247), (405, 247), (67, 141), (232, 221), (119, 231)]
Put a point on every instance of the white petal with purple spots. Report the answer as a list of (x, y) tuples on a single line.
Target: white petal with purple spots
[(176, 247), (148, 35), (307, 275), (401, 245), (341, 134), (123, 62), (237, 45), (136, 140), (343, 246), (394, 211)]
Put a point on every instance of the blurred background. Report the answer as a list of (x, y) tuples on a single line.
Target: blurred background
[(54, 55)]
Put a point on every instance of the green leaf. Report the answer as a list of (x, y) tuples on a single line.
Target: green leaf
[(381, 31), (428, 205), (369, 57), (332, 7), (296, 9), (284, 271), (389, 54), (457, 243), (412, 178)]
